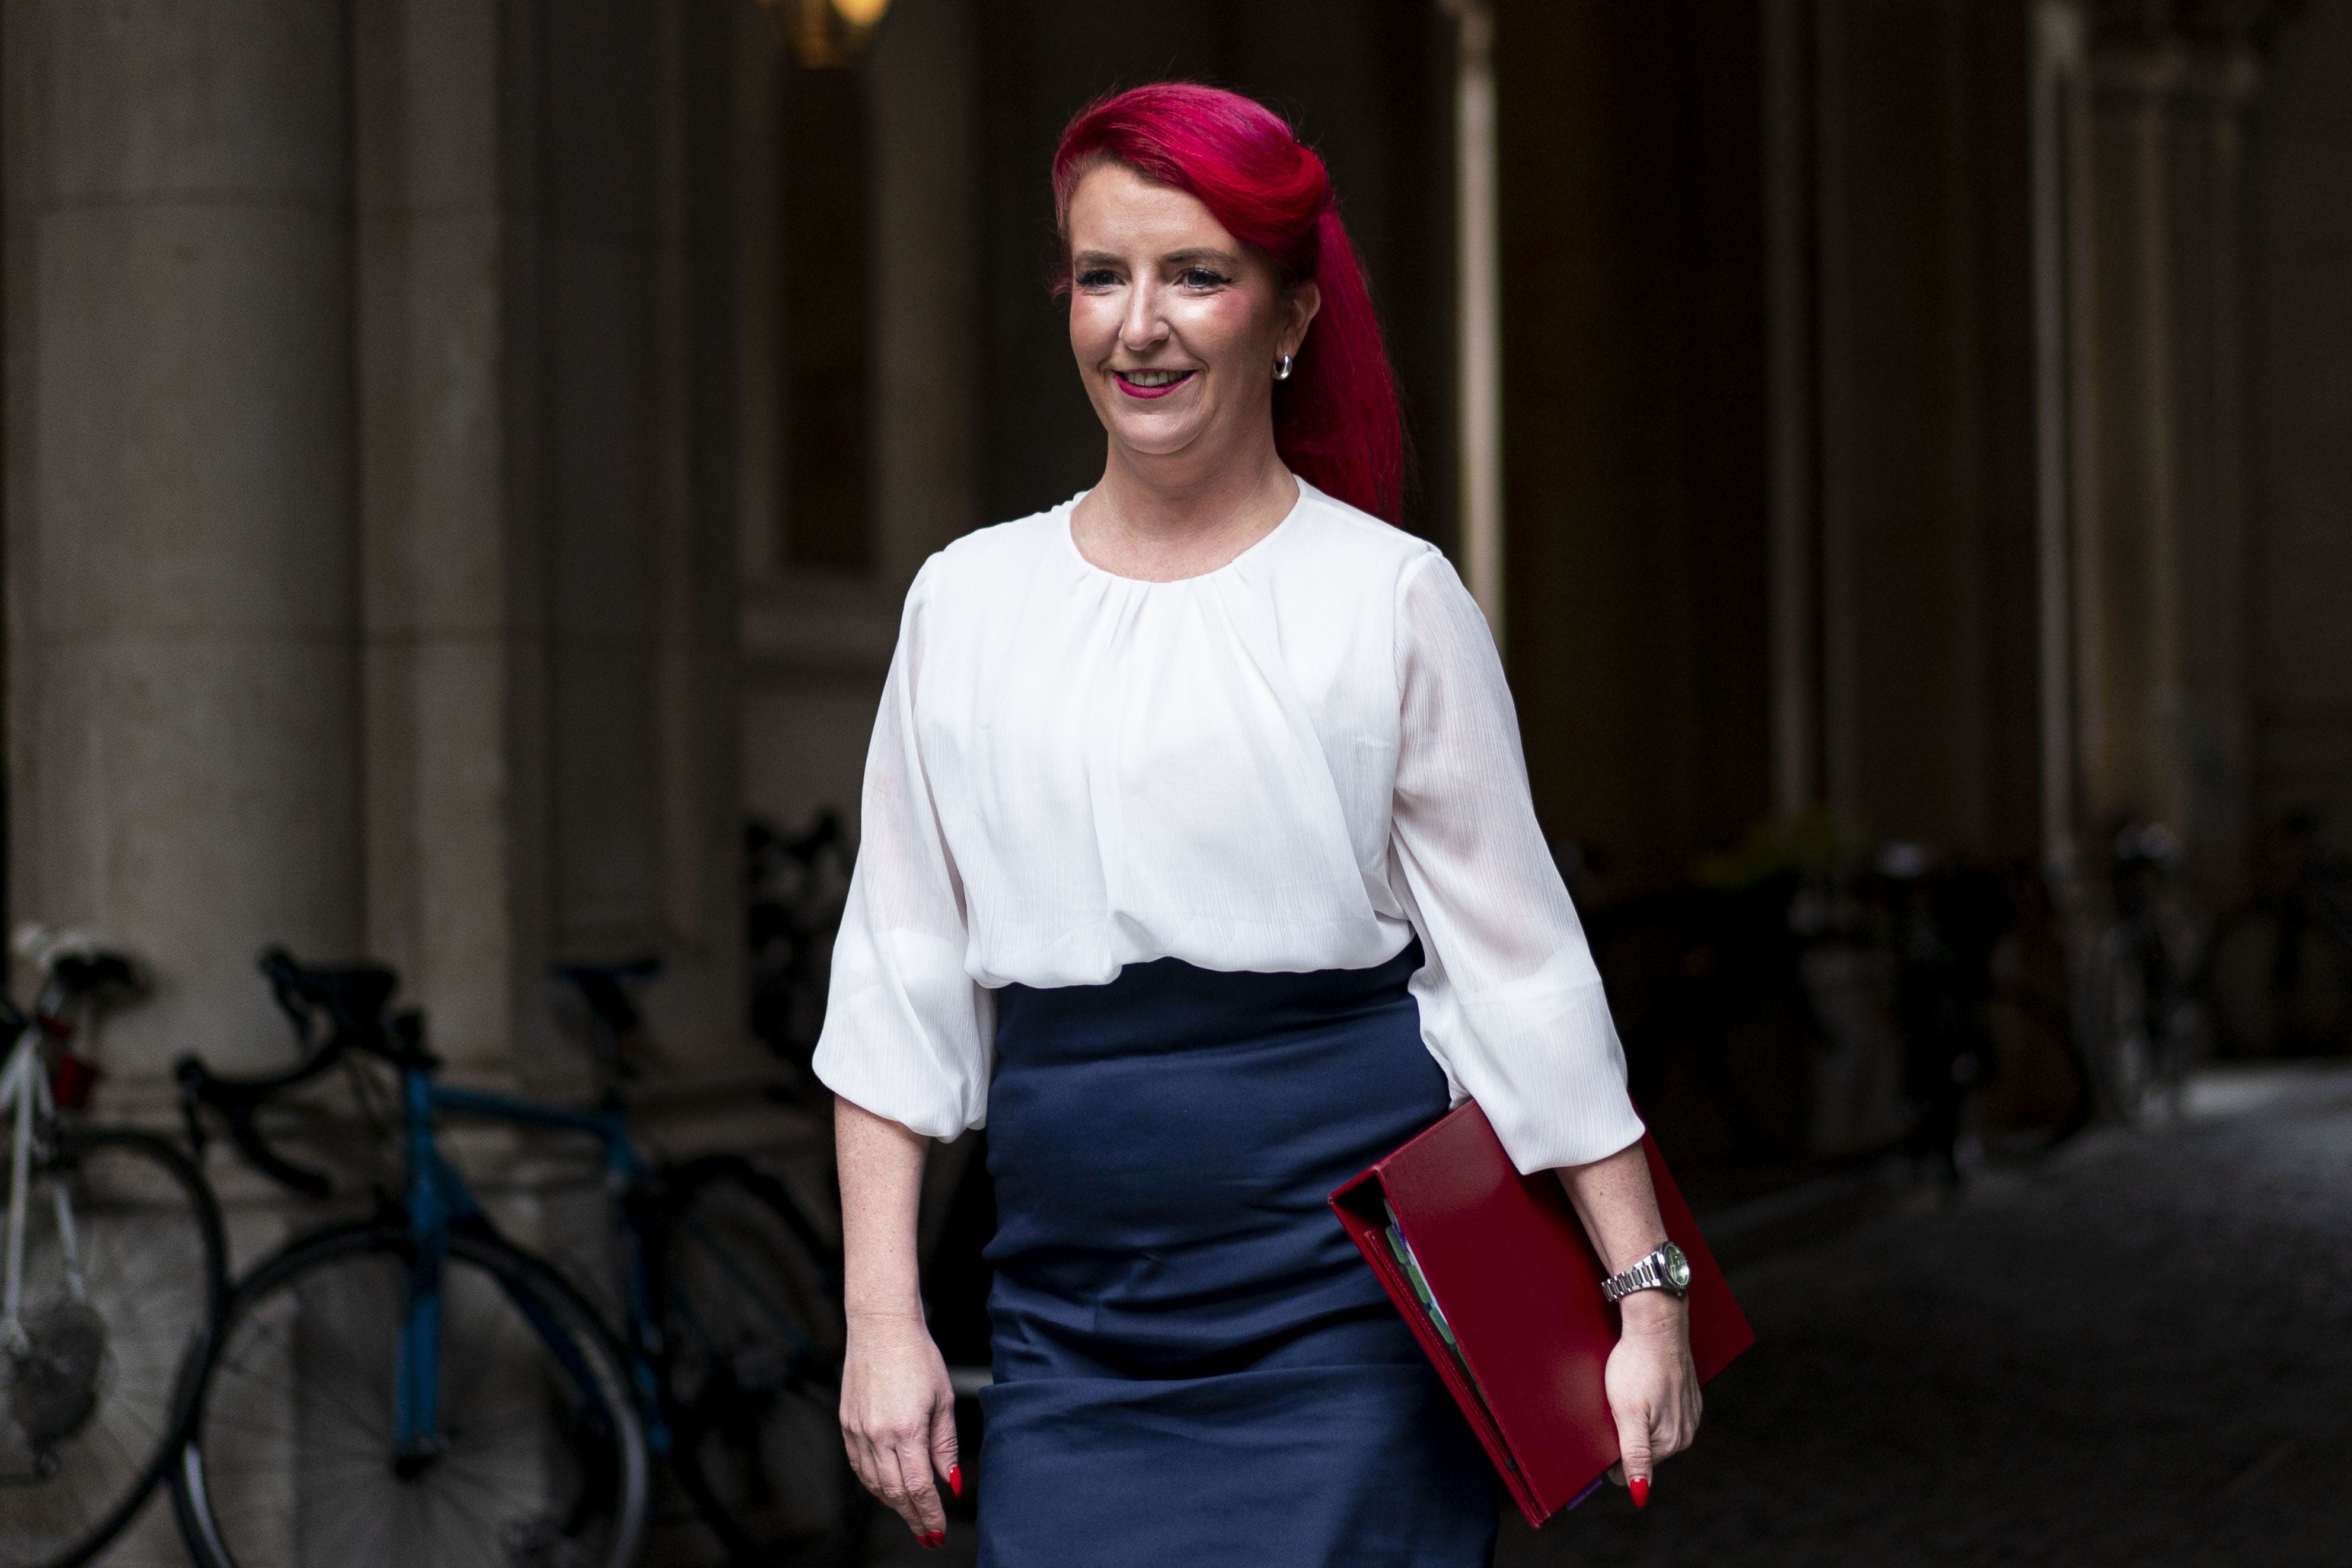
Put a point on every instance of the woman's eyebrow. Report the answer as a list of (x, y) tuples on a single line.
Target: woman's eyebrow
[(1196, 255)]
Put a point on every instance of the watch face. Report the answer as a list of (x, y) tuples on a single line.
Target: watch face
[(1677, 1267)]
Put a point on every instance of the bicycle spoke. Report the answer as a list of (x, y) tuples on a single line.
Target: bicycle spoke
[(743, 1308), (311, 1405), (143, 1235)]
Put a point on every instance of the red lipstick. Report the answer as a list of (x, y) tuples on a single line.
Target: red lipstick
[(1131, 390)]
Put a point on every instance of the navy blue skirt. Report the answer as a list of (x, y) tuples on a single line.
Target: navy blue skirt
[(1194, 1364)]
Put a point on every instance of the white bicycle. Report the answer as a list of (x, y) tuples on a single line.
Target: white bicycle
[(113, 1269)]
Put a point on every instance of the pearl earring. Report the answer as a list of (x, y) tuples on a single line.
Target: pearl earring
[(1282, 368)]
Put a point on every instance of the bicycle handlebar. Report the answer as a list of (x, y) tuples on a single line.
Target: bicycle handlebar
[(353, 1002), (235, 1101)]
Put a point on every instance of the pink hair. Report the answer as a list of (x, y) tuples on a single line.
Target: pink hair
[(1334, 421)]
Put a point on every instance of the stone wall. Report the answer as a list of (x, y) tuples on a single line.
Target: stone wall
[(1927, 411), (370, 541), (184, 745), (2300, 273), (1768, 424)]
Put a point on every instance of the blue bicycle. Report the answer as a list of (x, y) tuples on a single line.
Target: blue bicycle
[(417, 1388)]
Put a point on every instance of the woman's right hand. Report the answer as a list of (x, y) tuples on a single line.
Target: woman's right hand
[(897, 1417)]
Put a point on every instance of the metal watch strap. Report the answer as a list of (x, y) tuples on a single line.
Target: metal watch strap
[(1648, 1274)]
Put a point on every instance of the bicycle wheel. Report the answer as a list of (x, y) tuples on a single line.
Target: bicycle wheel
[(751, 1372), (2039, 1093), (290, 1459), (122, 1278), (2278, 983), (2125, 1036)]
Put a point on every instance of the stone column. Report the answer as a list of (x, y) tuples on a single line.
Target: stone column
[(548, 544), (2130, 565), (2298, 664), (181, 553), (2165, 714), (453, 586)]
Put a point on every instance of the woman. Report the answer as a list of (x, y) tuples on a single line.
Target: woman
[(1199, 865)]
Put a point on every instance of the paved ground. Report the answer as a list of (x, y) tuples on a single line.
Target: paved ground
[(2138, 1353)]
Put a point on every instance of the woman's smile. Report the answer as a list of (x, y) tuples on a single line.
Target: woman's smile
[(1177, 325), (1150, 383)]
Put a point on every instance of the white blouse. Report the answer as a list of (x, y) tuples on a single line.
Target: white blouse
[(1296, 762)]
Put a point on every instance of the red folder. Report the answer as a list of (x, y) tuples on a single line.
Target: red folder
[(1518, 1287)]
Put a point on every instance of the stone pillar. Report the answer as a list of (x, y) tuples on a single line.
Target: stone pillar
[(2299, 550), (452, 588), (816, 646), (183, 676), (549, 587), (2130, 558), (1894, 486), (2163, 629), (2203, 719), (643, 786)]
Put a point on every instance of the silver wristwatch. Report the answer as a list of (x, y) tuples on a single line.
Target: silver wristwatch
[(1664, 1269)]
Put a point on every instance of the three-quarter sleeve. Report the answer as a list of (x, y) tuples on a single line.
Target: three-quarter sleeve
[(1511, 1002), (907, 1030)]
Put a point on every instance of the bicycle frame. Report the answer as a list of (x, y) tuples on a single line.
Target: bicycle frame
[(24, 1093), (438, 1198)]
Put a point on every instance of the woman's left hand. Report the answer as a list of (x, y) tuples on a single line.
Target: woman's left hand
[(1652, 1388)]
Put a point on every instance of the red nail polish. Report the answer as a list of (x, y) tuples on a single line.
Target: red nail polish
[(936, 1538), (955, 1479), (1640, 1487)]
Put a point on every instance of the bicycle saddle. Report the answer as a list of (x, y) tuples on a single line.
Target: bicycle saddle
[(80, 962), (643, 969), (605, 988)]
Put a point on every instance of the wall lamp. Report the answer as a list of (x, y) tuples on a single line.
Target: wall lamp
[(825, 33)]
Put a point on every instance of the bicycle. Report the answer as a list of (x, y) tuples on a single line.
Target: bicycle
[(797, 884), (750, 1391), (465, 1401), (1978, 1001), (2142, 1006), (2277, 974), (113, 1269), (1793, 1015)]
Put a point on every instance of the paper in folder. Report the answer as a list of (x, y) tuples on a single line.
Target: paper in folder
[(1494, 1272)]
